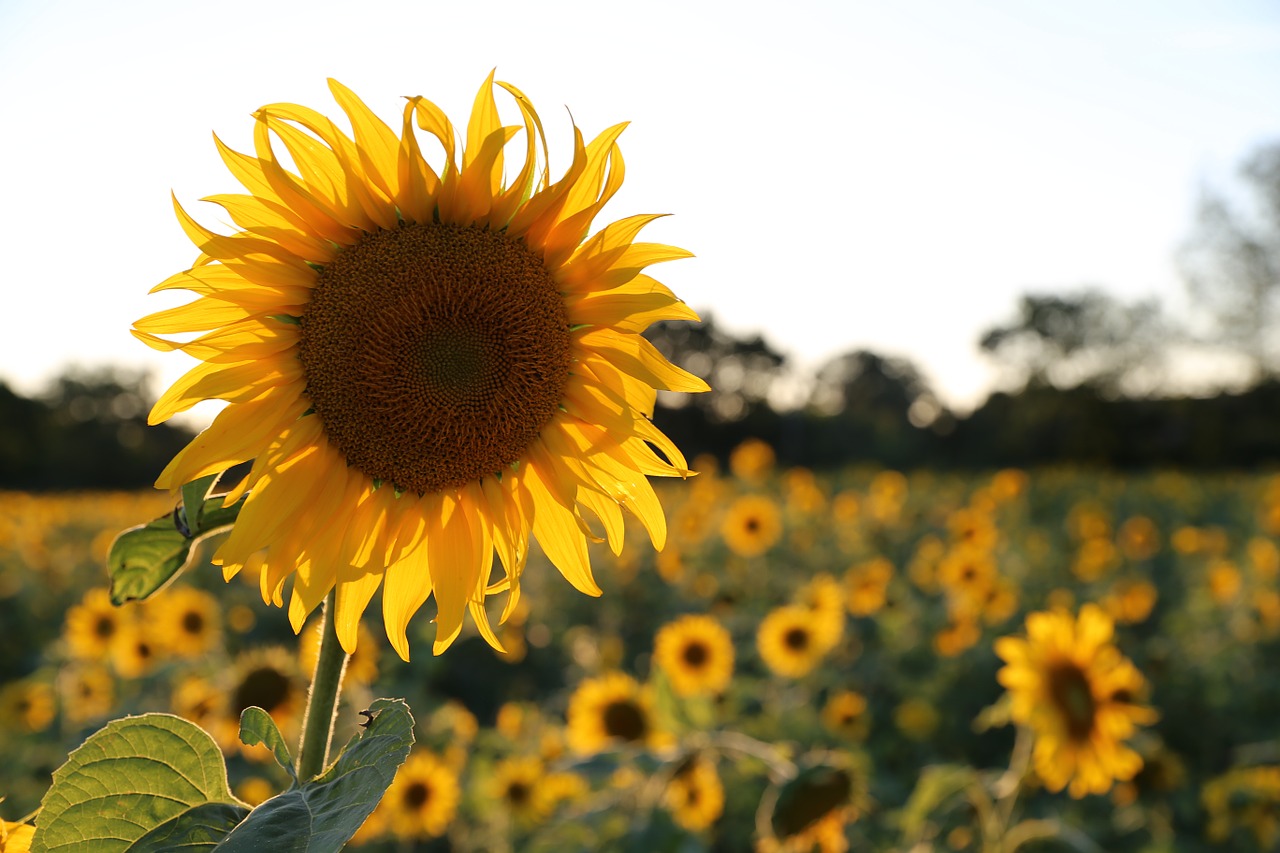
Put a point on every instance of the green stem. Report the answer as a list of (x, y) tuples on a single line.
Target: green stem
[(322, 703)]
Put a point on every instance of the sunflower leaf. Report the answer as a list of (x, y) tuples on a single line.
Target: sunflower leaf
[(194, 495), (153, 777), (144, 558), (257, 727), (321, 815)]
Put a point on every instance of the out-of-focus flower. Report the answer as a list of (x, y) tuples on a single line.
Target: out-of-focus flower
[(612, 710), (752, 525), (696, 653)]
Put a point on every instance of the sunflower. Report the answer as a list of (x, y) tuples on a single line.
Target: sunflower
[(612, 710), (422, 799), (269, 679), (92, 625), (189, 624), (813, 808), (516, 785), (752, 525), (696, 653), (846, 714), (27, 706), (426, 365), (792, 640), (867, 586), (135, 652), (1072, 686), (695, 794), (752, 460), (87, 692), (16, 837)]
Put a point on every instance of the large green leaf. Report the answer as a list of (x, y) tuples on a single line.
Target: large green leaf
[(131, 778), (197, 830), (143, 559), (320, 816)]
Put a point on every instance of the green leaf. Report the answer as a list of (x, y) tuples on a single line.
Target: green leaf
[(197, 829), (130, 778), (257, 727), (320, 816), (143, 559), (194, 495)]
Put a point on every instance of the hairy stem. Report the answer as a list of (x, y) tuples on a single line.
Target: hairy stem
[(322, 703)]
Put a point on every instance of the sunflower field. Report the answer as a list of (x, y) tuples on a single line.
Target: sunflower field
[(852, 660)]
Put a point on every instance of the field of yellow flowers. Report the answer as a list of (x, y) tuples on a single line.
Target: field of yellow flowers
[(867, 660)]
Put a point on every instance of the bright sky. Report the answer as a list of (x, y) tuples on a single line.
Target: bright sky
[(889, 175)]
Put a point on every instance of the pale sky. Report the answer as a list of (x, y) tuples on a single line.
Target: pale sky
[(889, 175)]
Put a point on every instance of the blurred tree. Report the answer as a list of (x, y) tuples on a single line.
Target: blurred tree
[(1085, 338), (88, 430), (1231, 263)]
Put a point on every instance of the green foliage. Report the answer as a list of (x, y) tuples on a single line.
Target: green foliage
[(143, 559), (158, 783), (140, 779), (323, 814)]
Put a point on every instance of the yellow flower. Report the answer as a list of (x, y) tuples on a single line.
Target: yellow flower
[(695, 794), (87, 692), (916, 718), (1130, 601), (845, 714), (92, 625), (188, 621), (269, 679), (134, 650), (868, 586), (752, 525), (422, 800), (426, 366), (824, 595), (516, 785), (16, 837), (255, 790), (752, 460), (1138, 538), (612, 710), (1071, 685), (696, 653), (1244, 797), (812, 809), (26, 706), (793, 639)]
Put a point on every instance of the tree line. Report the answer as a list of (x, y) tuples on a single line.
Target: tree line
[(1088, 379)]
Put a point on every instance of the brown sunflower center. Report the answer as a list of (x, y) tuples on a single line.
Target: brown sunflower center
[(518, 793), (1073, 697), (416, 795), (625, 721), (104, 627), (696, 654), (435, 354), (266, 687), (796, 639), (192, 622)]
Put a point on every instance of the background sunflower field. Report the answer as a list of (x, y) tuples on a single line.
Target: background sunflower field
[(810, 664)]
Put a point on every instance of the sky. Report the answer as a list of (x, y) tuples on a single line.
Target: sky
[(882, 175)]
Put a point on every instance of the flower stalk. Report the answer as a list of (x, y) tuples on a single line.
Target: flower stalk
[(322, 702)]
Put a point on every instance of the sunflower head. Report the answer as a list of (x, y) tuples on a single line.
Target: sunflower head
[(696, 653), (610, 711), (427, 363), (1080, 696)]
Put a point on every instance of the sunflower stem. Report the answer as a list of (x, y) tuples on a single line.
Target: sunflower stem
[(322, 703)]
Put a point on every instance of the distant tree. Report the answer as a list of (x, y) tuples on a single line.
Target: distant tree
[(1084, 338), (1231, 263), (740, 370)]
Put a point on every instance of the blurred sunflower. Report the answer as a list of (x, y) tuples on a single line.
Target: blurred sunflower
[(867, 586), (792, 641), (696, 653), (1071, 685), (197, 699), (824, 595), (268, 678), (426, 366), (135, 651), (26, 706), (752, 460), (516, 786), (16, 837), (752, 525), (695, 794), (188, 621), (1245, 798), (845, 713), (92, 625), (422, 800), (812, 809), (612, 710), (87, 692)]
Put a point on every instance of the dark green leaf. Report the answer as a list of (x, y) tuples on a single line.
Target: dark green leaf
[(197, 830), (320, 816)]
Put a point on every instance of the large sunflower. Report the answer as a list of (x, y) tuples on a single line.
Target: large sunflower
[(1071, 685), (426, 365)]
